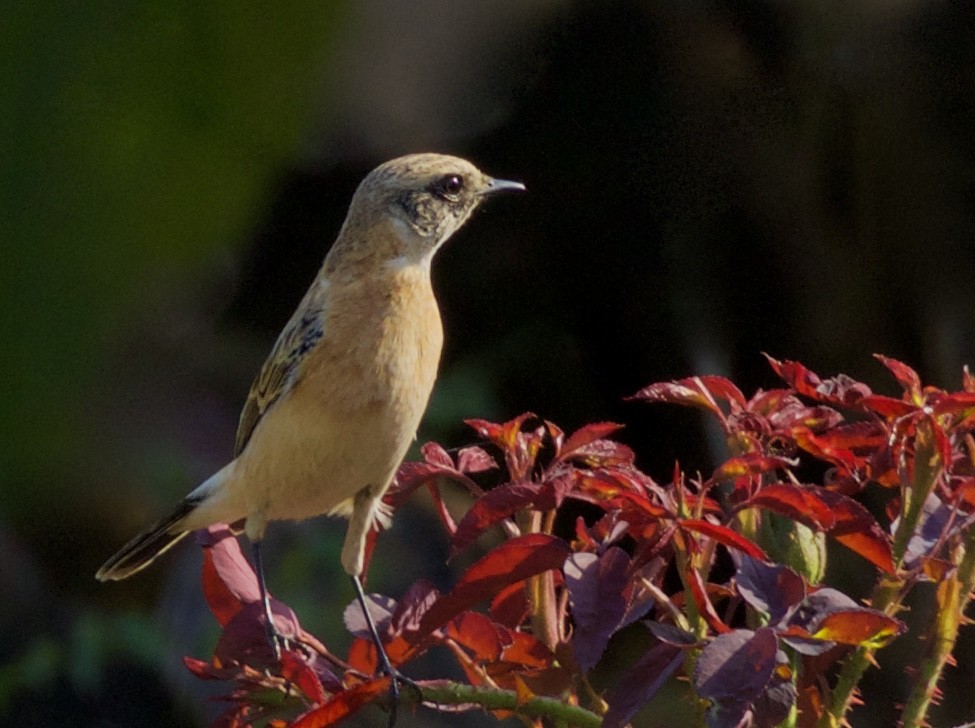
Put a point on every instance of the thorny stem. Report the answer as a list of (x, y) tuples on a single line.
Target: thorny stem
[(451, 693), (953, 596), (886, 598)]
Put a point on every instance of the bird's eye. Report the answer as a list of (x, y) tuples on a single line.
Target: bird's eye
[(449, 187)]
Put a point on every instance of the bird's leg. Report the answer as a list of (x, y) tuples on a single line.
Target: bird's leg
[(385, 666), (273, 637)]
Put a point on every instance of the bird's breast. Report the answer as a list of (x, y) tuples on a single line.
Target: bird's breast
[(381, 345)]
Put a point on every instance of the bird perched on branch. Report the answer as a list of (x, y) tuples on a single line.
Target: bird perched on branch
[(338, 401)]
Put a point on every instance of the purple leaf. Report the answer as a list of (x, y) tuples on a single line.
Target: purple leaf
[(380, 607), (733, 672), (596, 585), (769, 588), (640, 683)]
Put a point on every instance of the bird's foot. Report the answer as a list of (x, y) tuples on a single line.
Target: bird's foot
[(398, 679)]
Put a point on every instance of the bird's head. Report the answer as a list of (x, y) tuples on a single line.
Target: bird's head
[(427, 197)]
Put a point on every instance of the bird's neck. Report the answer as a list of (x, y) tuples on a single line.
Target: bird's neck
[(385, 247)]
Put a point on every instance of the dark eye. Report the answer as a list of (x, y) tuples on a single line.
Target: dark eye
[(449, 187)]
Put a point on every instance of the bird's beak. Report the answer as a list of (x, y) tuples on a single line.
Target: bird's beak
[(501, 185)]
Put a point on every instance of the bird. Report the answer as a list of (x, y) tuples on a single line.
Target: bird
[(336, 405)]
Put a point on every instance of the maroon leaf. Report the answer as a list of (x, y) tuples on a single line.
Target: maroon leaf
[(734, 670), (795, 502), (596, 585), (640, 683), (512, 561), (769, 588)]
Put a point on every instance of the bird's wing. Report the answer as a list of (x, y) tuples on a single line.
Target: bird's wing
[(282, 369)]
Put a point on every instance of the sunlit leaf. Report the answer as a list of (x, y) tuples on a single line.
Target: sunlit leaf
[(856, 529), (905, 376), (750, 464), (587, 435), (342, 705), (723, 535), (839, 390), (862, 627), (795, 502)]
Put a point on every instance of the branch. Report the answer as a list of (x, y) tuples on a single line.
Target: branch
[(445, 692)]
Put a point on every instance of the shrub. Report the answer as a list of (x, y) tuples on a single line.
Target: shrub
[(724, 573)]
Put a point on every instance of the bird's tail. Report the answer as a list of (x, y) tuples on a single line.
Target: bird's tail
[(142, 550)]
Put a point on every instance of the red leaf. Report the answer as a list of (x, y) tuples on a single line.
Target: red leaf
[(436, 455), (512, 561), (821, 448), (749, 464), (905, 376), (795, 502), (887, 406), (298, 672), (703, 602), (229, 581), (510, 606), (596, 585), (840, 390), (694, 391), (958, 404), (343, 704), (474, 460), (587, 435), (724, 535), (856, 529), (492, 507), (478, 634), (527, 652), (637, 686)]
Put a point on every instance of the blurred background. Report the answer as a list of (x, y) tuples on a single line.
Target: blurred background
[(707, 180)]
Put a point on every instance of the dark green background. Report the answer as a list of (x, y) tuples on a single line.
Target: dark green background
[(706, 181)]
